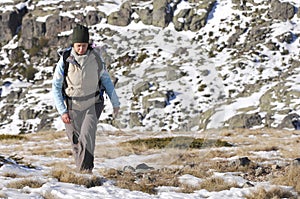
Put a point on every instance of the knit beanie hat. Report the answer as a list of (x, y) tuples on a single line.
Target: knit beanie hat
[(80, 34)]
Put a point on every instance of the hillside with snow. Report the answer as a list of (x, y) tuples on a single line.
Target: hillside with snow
[(214, 69), (234, 70)]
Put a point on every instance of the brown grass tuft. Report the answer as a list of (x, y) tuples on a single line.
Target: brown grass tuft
[(11, 175), (69, 176), (217, 184), (182, 142), (48, 195), (145, 182), (149, 182), (290, 177), (20, 184), (275, 193), (2, 195), (11, 137)]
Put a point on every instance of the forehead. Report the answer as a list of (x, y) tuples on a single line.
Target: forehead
[(80, 44)]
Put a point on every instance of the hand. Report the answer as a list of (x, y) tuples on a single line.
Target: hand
[(66, 118), (116, 112)]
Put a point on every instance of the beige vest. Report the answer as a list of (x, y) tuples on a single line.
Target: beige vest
[(83, 81)]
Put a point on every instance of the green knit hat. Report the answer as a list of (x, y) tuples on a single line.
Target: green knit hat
[(80, 34)]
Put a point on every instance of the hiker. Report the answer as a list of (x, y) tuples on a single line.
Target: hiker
[(80, 78)]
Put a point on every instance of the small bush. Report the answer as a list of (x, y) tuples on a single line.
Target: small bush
[(177, 142), (11, 137), (145, 182), (141, 57), (202, 87), (290, 178), (217, 184), (43, 42), (275, 193), (20, 184), (30, 73), (2, 195), (34, 50), (66, 175)]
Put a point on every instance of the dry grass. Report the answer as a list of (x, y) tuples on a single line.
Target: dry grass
[(146, 182), (217, 184), (2, 195), (46, 136), (149, 182), (199, 161), (51, 151), (181, 142), (11, 137), (21, 183), (49, 195), (68, 175), (291, 177), (274, 193), (11, 175)]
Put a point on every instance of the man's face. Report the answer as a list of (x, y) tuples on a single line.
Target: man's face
[(80, 48)]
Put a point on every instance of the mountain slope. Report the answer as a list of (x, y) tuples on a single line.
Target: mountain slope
[(239, 69)]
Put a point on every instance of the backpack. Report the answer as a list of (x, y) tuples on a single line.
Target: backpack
[(65, 53)]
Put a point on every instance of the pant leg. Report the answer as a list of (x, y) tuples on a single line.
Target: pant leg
[(73, 132), (88, 135), (83, 140)]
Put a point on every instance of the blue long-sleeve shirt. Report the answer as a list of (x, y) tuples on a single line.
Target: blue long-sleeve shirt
[(57, 84)]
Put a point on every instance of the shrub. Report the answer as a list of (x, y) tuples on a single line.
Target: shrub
[(30, 73), (11, 137), (290, 178), (177, 142), (66, 175), (20, 184), (276, 192), (217, 184)]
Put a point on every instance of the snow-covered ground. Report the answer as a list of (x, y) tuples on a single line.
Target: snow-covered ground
[(107, 144)]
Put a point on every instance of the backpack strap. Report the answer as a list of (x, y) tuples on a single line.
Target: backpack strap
[(65, 55), (101, 66)]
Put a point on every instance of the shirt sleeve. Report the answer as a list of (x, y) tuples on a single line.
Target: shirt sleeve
[(57, 84), (110, 89)]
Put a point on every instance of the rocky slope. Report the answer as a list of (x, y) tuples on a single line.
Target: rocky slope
[(182, 65)]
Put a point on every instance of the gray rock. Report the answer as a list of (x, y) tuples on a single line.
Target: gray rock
[(296, 162), (135, 119), (140, 87), (128, 169), (162, 13), (10, 23), (121, 17), (248, 185), (142, 168), (245, 120), (244, 161), (281, 10), (287, 121), (145, 15)]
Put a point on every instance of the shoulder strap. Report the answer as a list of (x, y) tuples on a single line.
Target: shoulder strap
[(101, 64), (65, 55)]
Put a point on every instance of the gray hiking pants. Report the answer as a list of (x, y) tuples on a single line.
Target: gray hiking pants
[(82, 134)]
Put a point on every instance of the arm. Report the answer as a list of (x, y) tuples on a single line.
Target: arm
[(57, 83), (110, 89)]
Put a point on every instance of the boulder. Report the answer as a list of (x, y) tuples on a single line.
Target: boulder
[(121, 17), (10, 23), (162, 13), (282, 11), (245, 121), (287, 121), (140, 87)]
